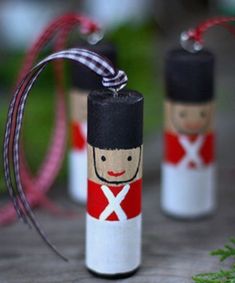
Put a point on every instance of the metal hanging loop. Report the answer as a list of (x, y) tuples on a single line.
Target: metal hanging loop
[(188, 42)]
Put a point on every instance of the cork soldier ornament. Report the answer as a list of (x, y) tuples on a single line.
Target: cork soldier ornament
[(113, 240), (188, 169), (83, 81), (115, 121)]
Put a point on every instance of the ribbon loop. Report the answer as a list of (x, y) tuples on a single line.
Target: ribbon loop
[(112, 78), (116, 82)]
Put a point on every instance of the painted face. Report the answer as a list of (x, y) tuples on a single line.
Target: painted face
[(190, 118), (116, 166)]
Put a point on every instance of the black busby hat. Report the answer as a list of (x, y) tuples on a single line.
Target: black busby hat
[(84, 78), (189, 76), (115, 122)]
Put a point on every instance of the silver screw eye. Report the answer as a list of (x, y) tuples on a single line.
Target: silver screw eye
[(189, 44)]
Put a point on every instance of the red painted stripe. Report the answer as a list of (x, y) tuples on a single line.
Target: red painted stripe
[(97, 201), (174, 152), (78, 138)]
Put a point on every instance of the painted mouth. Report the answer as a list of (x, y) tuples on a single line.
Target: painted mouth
[(193, 126), (116, 174)]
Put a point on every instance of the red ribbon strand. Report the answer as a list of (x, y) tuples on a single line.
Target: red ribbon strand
[(37, 186)]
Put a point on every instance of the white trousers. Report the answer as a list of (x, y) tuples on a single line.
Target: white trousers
[(113, 247), (78, 175), (188, 192), (78, 171)]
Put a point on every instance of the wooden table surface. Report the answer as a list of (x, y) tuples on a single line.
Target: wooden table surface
[(172, 250)]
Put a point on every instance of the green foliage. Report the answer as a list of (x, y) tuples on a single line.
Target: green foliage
[(138, 56), (221, 276), (228, 251)]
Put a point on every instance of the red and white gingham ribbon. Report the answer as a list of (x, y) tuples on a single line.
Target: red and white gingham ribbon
[(111, 78), (36, 186)]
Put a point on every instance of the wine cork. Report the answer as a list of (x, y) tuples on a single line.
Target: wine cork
[(115, 154), (188, 168)]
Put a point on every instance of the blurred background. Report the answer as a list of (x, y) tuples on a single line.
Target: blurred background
[(142, 30)]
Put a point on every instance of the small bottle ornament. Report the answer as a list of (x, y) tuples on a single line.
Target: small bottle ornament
[(188, 169), (113, 229), (83, 81)]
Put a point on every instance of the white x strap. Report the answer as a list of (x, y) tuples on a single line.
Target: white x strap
[(114, 203), (192, 151)]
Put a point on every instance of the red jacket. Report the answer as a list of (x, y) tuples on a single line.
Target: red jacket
[(98, 202), (175, 150), (78, 137)]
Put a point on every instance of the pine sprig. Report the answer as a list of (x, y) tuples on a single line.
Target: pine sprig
[(221, 276), (228, 251)]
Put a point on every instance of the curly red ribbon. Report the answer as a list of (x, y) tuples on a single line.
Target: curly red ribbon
[(37, 186), (196, 34)]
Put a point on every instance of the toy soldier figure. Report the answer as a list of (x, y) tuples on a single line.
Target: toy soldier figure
[(113, 243), (188, 171)]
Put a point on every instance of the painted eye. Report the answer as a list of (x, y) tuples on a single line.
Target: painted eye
[(203, 114), (129, 158), (182, 114), (103, 158)]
